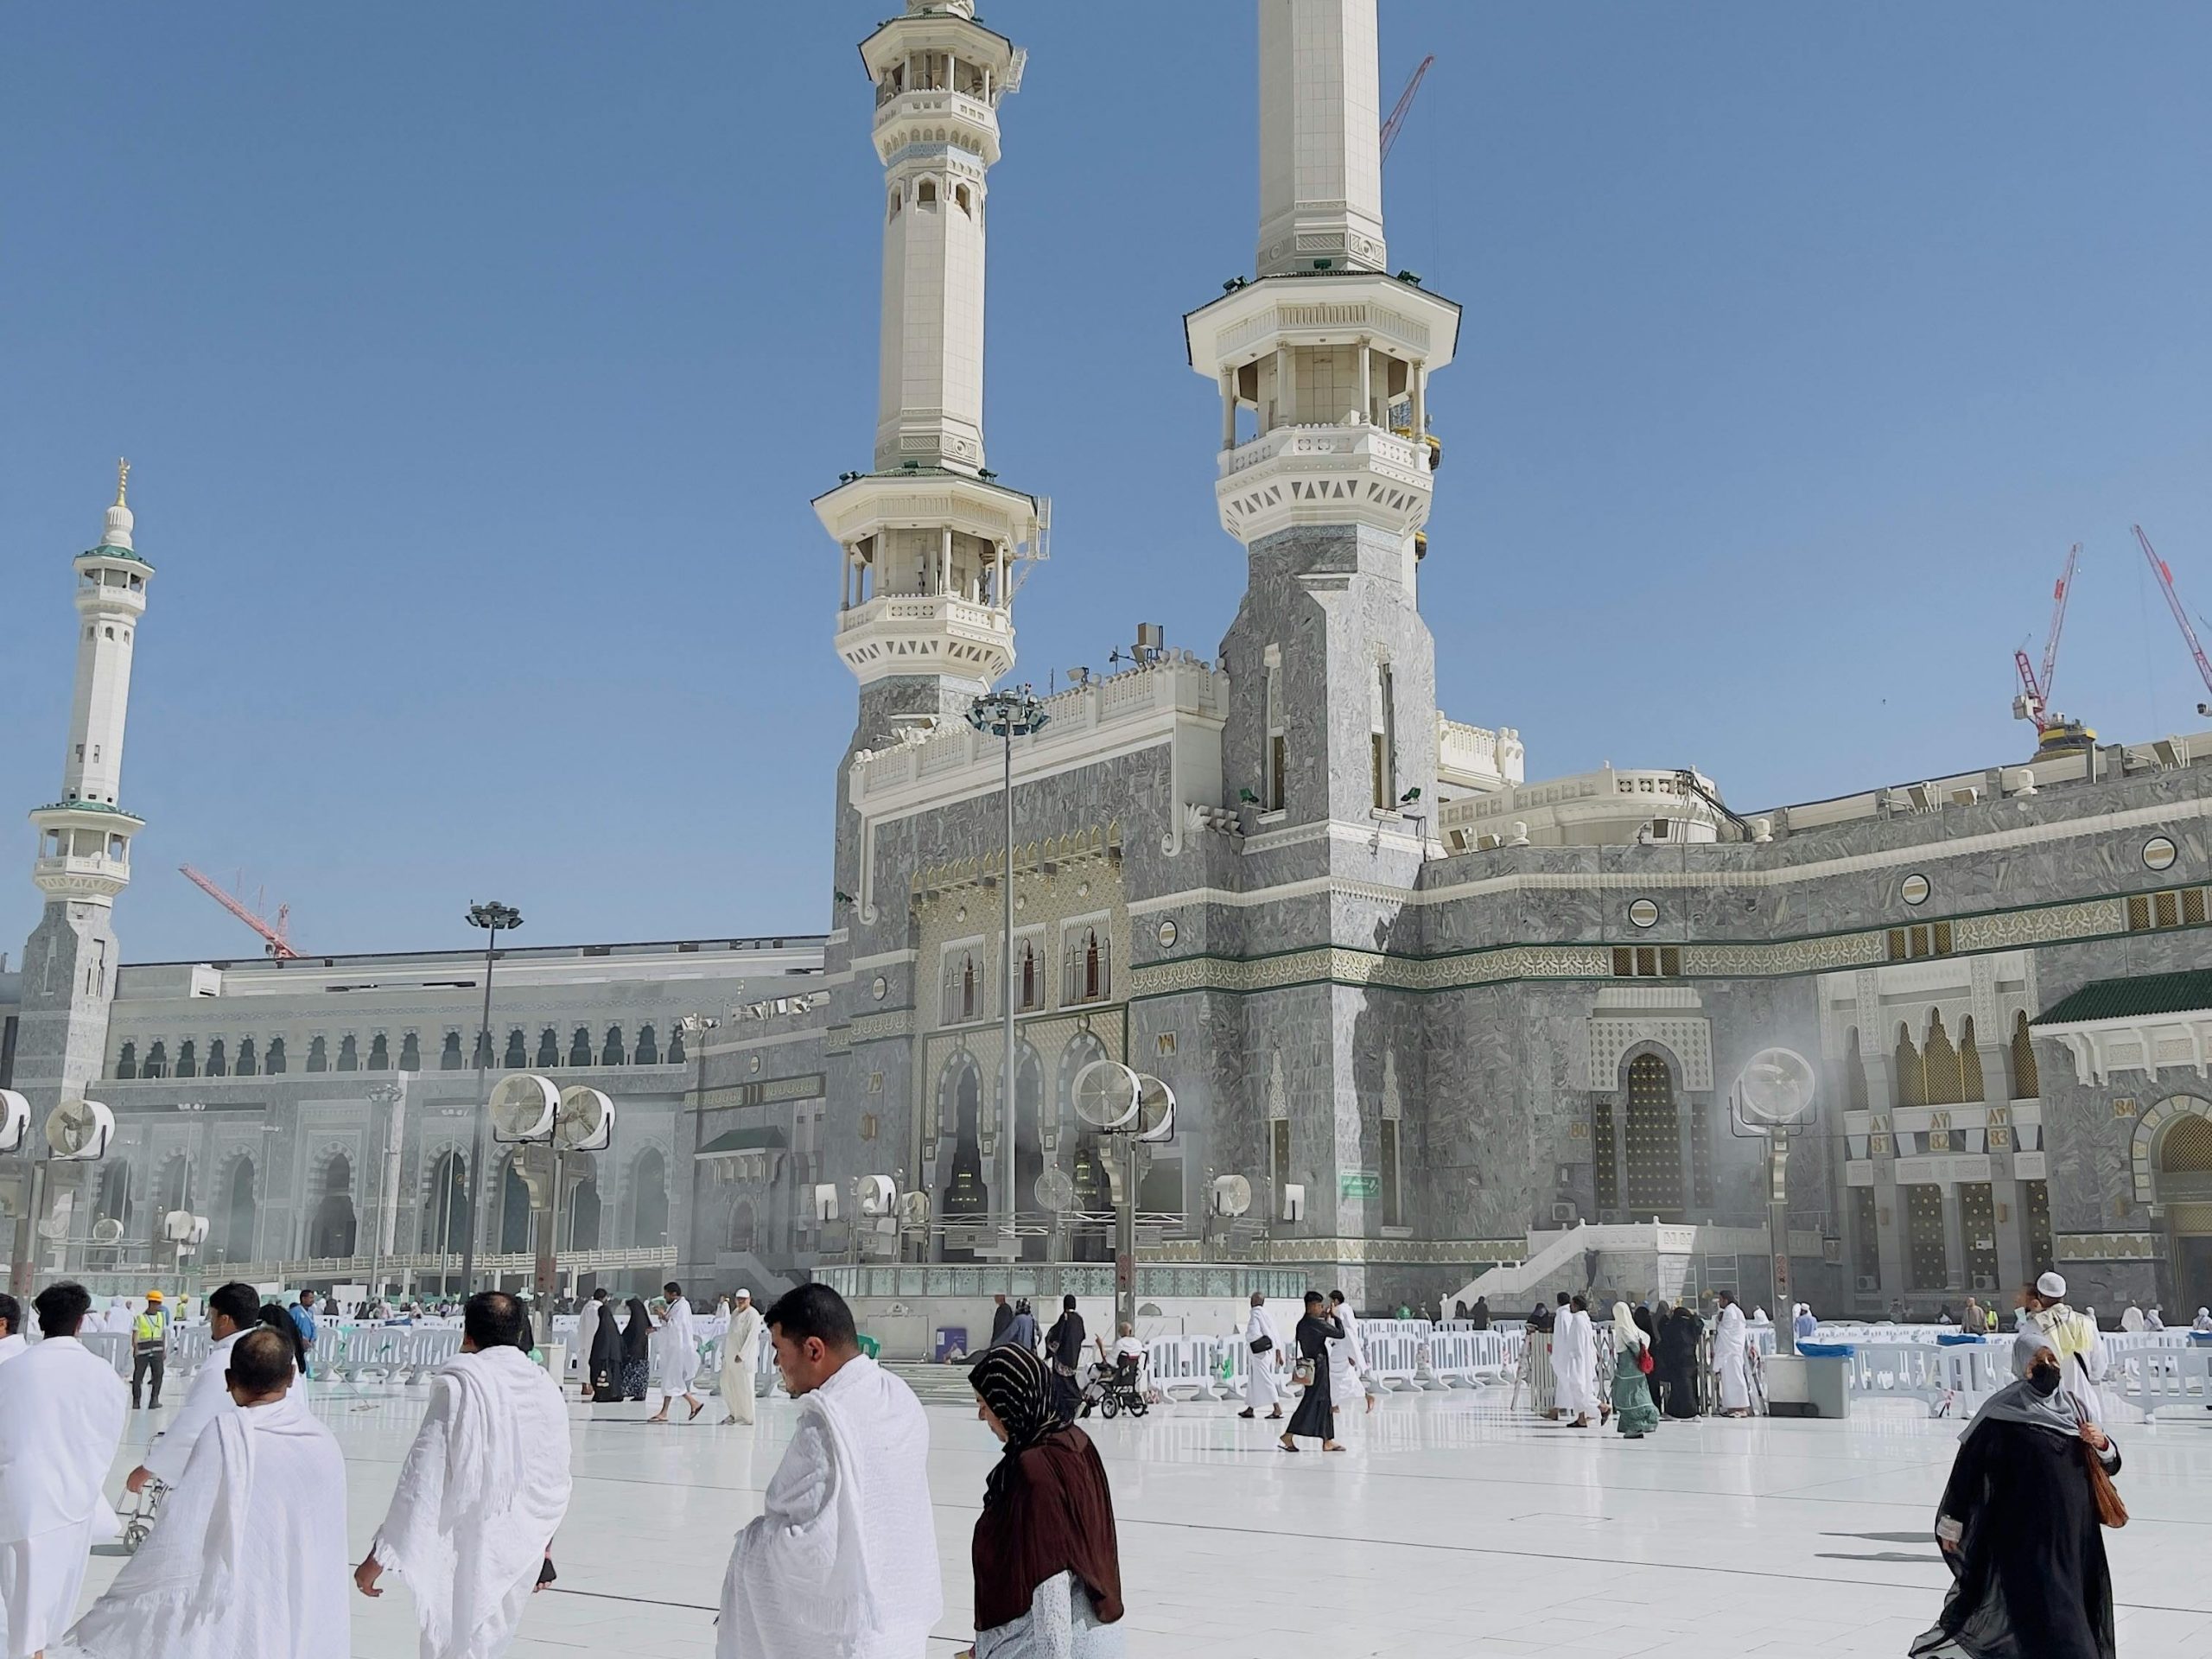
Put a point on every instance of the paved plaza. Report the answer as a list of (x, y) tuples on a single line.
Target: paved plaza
[(1451, 1526)]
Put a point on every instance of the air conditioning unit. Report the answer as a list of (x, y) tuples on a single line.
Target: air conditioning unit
[(1869, 1282), (1984, 1281), (1564, 1214)]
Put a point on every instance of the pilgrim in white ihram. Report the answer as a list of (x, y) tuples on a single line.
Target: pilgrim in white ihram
[(248, 1559), (740, 1354), (679, 1355), (1728, 1341), (62, 1410), (1263, 1357), (1574, 1364)]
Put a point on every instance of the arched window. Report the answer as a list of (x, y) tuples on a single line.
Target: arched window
[(126, 1061), (548, 1048), (247, 1063), (218, 1064), (579, 1047), (1028, 974), (518, 1226), (612, 1053), (349, 1053), (114, 1200), (379, 1053), (1910, 1082), (926, 193), (517, 1050), (410, 1052), (158, 1060), (449, 1057), (676, 1044), (968, 987), (965, 1194), (318, 1054), (483, 1052), (744, 1227), (648, 1047), (2027, 1085), (960, 196), (235, 1243), (898, 201), (581, 1211), (187, 1059), (649, 1200), (331, 1232), (1655, 1139), (2186, 1146), (445, 1209), (1969, 1063), (1939, 1064), (1854, 1072), (1094, 967)]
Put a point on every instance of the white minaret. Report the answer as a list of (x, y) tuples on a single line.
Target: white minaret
[(84, 838), (929, 540)]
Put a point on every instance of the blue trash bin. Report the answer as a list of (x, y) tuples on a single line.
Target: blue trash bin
[(949, 1340)]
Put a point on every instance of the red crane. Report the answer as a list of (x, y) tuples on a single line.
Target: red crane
[(2181, 616), (2034, 701), (272, 935), (1405, 103)]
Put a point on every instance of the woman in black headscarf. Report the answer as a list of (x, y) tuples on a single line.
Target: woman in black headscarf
[(636, 1350), (603, 1364), (1048, 1569), (1675, 1363), (1064, 1356), (2019, 1524), (278, 1320), (1645, 1323)]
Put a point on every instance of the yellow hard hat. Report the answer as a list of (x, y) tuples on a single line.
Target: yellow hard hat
[(153, 1295)]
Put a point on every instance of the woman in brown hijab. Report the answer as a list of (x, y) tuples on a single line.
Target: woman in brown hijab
[(1048, 1571)]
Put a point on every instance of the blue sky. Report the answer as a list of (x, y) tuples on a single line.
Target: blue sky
[(477, 364)]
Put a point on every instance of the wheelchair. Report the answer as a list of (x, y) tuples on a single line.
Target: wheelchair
[(1116, 1388)]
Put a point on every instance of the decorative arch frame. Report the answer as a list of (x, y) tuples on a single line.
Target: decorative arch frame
[(2150, 1129), (1677, 1079)]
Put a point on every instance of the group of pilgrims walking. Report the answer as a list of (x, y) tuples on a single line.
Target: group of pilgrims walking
[(248, 1558)]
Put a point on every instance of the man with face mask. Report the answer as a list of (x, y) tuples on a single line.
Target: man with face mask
[(2074, 1336), (2018, 1525)]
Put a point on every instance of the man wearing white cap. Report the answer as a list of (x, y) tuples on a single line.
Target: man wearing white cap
[(2080, 1350), (741, 1352)]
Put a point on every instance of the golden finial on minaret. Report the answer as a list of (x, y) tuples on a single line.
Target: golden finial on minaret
[(122, 479)]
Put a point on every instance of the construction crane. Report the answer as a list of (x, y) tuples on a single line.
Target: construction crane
[(1397, 120), (2181, 616), (2034, 702), (272, 934)]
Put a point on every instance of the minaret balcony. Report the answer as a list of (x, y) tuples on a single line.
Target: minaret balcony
[(84, 850), (1338, 474), (934, 118), (925, 633)]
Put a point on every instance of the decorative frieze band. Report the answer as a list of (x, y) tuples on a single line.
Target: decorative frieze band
[(2110, 1247), (868, 1028)]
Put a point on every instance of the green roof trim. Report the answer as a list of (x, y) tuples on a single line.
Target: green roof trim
[(87, 806), (108, 550), (2136, 997), (753, 1140)]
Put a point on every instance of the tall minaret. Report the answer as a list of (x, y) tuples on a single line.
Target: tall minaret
[(1323, 365), (83, 839), (928, 540)]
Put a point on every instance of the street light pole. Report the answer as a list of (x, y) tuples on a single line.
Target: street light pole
[(694, 1027), (1006, 716), (491, 917)]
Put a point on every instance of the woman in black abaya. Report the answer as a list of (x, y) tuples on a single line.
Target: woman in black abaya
[(1317, 1412), (2019, 1526), (636, 1350), (1674, 1361)]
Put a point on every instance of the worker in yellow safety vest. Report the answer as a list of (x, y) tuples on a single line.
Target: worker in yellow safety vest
[(149, 1349)]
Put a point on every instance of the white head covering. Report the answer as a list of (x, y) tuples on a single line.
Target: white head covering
[(1627, 1333), (2050, 1284), (744, 1295)]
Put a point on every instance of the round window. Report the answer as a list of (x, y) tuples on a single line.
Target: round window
[(1914, 889), (1643, 912), (753, 1063), (1166, 932), (2159, 854), (880, 988)]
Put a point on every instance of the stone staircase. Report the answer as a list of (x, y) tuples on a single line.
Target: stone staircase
[(934, 1385)]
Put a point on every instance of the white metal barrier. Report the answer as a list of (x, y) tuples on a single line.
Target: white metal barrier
[(1396, 1358), (1188, 1364)]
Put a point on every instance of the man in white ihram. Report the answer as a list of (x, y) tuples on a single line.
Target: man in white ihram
[(1574, 1363), (679, 1355), (248, 1560), (1728, 1340), (231, 1311), (12, 1340), (482, 1492), (842, 1562), (1263, 1357), (588, 1318), (740, 1354), (62, 1414)]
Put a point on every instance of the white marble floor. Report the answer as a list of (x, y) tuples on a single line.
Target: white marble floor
[(1451, 1527)]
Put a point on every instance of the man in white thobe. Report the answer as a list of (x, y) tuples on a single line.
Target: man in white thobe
[(12, 1340), (588, 1318), (231, 1311), (842, 1562), (679, 1355), (62, 1410), (1728, 1340), (1574, 1363), (2080, 1345), (740, 1353), (1347, 1372), (1264, 1360), (482, 1492), (248, 1560)]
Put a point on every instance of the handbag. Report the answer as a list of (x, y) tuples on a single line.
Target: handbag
[(1262, 1345), (1301, 1375), (1643, 1360)]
